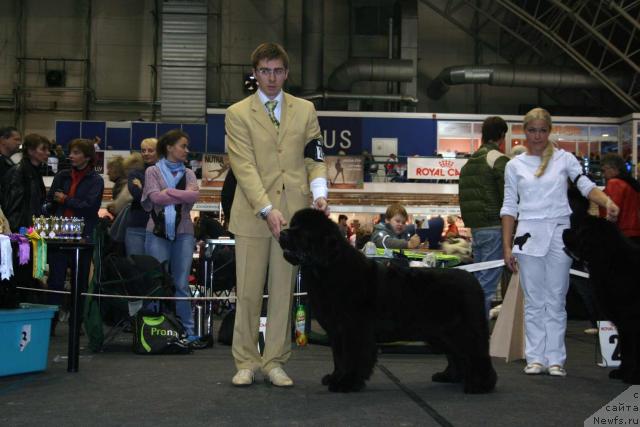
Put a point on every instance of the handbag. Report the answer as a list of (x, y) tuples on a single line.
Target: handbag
[(118, 229)]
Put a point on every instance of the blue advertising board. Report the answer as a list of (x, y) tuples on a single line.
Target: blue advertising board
[(348, 132)]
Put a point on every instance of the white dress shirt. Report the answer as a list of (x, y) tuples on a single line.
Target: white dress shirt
[(540, 203)]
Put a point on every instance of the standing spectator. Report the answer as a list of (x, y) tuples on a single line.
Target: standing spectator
[(132, 163), (481, 192), (275, 149), (391, 166), (134, 240), (115, 172), (24, 191), (226, 196), (369, 165), (63, 160), (535, 193), (74, 193), (170, 190), (9, 142), (342, 225), (624, 190)]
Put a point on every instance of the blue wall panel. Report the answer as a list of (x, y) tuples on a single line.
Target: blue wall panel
[(66, 130), (119, 138), (415, 136), (215, 133), (198, 136), (140, 131), (166, 127), (90, 130)]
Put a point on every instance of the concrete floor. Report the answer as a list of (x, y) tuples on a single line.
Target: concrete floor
[(119, 388)]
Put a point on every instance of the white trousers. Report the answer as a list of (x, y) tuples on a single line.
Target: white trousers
[(545, 282)]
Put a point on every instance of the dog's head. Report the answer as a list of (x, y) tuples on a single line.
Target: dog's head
[(311, 238)]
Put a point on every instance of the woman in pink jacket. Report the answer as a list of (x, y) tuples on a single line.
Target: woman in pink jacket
[(170, 190)]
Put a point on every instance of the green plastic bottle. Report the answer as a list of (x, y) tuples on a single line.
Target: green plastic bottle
[(301, 317)]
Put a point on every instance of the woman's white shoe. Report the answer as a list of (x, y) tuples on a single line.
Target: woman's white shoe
[(557, 371), (534, 369)]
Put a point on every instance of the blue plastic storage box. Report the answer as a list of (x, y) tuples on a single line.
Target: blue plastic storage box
[(24, 339)]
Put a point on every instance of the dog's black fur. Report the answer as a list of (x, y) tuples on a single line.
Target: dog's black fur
[(360, 302), (612, 261)]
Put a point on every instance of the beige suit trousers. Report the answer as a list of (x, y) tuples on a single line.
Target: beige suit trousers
[(253, 256)]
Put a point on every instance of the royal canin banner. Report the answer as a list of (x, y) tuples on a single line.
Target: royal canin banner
[(434, 168)]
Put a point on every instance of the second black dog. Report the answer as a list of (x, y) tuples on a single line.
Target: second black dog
[(360, 302), (612, 261)]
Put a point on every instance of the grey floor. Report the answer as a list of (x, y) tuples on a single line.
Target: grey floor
[(119, 388)]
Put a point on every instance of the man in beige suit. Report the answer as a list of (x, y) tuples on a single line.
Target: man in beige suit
[(276, 155)]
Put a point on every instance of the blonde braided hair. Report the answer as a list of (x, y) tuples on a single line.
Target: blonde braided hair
[(541, 114)]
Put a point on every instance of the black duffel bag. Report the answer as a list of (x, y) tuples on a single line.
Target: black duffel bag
[(159, 333)]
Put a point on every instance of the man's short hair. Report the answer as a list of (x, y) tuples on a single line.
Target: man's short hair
[(269, 51), (396, 209), (341, 217), (32, 142), (493, 129), (6, 132)]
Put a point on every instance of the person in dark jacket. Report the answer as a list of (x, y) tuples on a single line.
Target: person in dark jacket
[(24, 191), (481, 190), (9, 142), (138, 218), (74, 193)]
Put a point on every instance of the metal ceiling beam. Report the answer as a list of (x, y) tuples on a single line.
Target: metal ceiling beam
[(597, 34), (622, 11), (571, 51)]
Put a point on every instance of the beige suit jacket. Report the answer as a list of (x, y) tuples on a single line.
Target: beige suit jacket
[(268, 161)]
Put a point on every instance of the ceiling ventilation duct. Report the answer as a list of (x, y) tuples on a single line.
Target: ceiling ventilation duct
[(511, 76), (370, 69)]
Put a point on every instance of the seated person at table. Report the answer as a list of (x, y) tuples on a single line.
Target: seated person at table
[(394, 233), (452, 230)]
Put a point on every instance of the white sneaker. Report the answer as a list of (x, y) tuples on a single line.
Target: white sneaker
[(534, 369), (557, 371), (243, 378)]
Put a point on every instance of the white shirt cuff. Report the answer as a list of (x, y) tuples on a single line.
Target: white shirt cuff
[(319, 188)]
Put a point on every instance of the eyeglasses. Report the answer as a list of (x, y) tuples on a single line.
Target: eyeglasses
[(278, 72)]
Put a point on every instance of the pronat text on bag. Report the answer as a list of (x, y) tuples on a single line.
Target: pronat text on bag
[(158, 334)]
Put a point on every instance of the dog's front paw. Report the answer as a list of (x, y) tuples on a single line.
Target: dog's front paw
[(445, 377), (346, 386), (326, 380)]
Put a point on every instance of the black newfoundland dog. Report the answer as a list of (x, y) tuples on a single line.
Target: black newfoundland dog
[(360, 302), (612, 261)]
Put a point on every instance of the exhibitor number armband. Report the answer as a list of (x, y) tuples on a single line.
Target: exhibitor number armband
[(313, 150)]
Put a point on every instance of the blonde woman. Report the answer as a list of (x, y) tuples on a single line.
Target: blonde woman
[(535, 192), (138, 218)]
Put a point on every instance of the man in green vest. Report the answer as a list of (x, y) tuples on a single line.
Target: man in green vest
[(481, 191)]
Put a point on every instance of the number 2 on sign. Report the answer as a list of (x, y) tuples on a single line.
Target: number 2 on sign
[(613, 339)]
